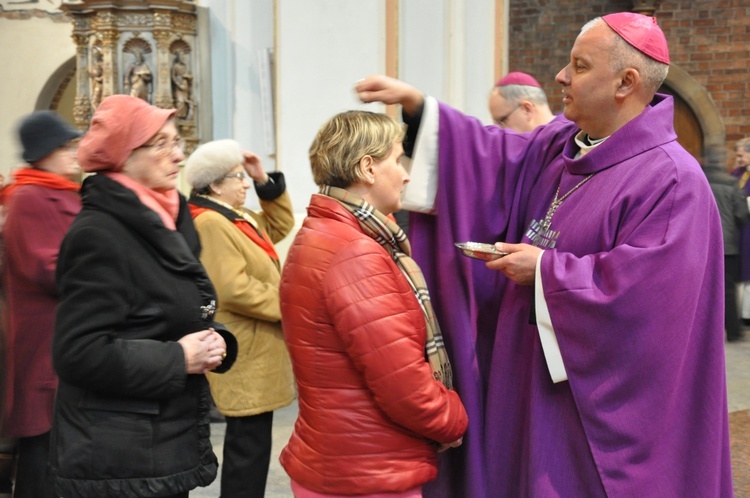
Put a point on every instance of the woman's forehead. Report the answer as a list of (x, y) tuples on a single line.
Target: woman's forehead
[(169, 130)]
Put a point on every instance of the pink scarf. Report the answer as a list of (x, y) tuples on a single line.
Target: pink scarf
[(166, 205)]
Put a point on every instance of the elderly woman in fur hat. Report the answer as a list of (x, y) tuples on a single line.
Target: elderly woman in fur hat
[(134, 333), (239, 255)]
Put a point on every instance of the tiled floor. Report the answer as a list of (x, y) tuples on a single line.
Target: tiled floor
[(738, 374), (738, 381)]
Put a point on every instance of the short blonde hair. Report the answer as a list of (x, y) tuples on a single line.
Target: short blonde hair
[(345, 139)]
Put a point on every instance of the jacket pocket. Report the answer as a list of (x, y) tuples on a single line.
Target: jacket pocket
[(128, 405), (122, 436)]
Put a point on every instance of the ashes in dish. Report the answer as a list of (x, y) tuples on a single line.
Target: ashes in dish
[(480, 250)]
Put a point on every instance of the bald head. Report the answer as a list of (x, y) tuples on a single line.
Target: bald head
[(639, 43)]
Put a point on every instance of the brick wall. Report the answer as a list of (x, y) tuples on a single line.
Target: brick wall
[(709, 39)]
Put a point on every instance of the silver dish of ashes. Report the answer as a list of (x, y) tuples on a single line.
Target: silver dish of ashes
[(480, 250)]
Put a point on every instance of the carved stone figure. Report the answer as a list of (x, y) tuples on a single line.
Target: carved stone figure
[(182, 82), (138, 79), (96, 76)]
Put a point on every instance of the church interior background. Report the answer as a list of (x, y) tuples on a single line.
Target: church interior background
[(268, 72)]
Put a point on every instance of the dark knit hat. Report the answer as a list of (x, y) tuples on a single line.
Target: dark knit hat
[(42, 132)]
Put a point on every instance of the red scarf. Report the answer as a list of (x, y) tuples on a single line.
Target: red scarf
[(260, 237), (33, 176)]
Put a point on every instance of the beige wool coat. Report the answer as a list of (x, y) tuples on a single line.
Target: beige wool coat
[(247, 286)]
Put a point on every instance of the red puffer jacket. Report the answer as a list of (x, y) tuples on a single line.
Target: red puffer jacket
[(370, 412)]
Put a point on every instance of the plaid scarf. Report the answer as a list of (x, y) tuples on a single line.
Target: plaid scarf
[(389, 235)]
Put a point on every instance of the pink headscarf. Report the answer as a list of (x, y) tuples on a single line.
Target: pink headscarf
[(120, 125)]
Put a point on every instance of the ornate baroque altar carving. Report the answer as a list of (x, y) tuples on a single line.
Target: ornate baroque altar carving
[(142, 48)]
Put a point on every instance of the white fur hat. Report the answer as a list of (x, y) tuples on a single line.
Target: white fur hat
[(211, 161)]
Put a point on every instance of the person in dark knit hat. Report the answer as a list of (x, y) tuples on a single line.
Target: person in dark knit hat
[(134, 330), (40, 204), (42, 132)]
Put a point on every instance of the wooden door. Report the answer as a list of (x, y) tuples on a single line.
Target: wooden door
[(689, 132)]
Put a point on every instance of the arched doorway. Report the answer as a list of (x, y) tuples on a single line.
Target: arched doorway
[(697, 120), (689, 133), (59, 92)]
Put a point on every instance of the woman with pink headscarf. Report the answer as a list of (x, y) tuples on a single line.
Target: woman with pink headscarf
[(134, 332)]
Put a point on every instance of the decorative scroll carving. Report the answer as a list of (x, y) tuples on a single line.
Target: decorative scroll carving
[(183, 22), (109, 37), (135, 21), (105, 18)]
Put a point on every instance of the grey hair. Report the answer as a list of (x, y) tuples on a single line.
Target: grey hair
[(625, 55), (513, 94), (743, 143), (211, 161)]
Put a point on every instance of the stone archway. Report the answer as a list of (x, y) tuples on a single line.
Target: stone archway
[(56, 89), (695, 96)]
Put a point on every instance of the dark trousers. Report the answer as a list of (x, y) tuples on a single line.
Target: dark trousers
[(247, 455), (731, 314), (32, 480)]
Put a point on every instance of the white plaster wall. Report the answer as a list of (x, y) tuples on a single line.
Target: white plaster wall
[(479, 53), (323, 48), (239, 29), (31, 51), (446, 49)]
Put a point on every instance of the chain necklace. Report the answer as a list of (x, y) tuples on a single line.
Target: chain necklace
[(556, 203)]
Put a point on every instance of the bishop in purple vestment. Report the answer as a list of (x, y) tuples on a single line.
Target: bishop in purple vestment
[(606, 375)]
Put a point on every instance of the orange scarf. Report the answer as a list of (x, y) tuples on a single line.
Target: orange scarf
[(34, 176)]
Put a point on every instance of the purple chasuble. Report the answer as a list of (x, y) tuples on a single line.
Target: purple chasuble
[(633, 278)]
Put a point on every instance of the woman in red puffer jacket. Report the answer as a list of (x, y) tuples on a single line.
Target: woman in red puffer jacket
[(375, 398)]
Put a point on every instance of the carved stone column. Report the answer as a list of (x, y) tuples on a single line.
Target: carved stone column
[(163, 61), (82, 104), (109, 39)]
